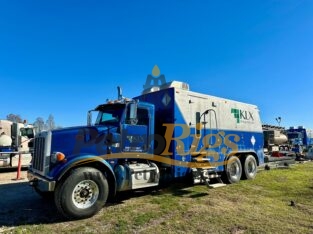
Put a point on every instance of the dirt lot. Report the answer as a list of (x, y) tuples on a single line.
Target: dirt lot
[(22, 205), (10, 177)]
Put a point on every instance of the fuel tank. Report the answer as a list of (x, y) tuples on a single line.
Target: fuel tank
[(5, 140), (280, 138)]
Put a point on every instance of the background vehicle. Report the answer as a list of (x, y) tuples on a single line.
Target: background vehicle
[(275, 139), (300, 138), (14, 137), (278, 151)]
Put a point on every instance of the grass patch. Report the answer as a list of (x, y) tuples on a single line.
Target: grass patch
[(262, 205)]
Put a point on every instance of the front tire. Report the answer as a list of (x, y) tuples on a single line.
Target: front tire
[(233, 170), (250, 168), (82, 194)]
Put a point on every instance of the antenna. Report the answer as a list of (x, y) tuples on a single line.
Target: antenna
[(278, 119)]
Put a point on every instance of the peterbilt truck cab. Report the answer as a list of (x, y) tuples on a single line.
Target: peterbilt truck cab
[(83, 166)]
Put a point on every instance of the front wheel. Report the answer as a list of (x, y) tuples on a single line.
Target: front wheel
[(233, 170), (82, 194)]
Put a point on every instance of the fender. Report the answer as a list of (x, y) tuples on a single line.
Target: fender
[(243, 152), (73, 162)]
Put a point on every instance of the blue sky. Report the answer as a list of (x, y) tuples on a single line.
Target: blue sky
[(66, 57)]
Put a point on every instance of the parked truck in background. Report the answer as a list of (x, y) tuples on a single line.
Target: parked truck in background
[(300, 138), (275, 139), (14, 137), (277, 150), (164, 134), (286, 146)]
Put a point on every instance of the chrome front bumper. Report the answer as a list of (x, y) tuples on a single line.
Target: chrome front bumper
[(40, 182)]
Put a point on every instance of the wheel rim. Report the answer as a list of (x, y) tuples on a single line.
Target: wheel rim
[(85, 194), (234, 170)]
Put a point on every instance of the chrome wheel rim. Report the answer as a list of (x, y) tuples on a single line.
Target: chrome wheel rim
[(234, 170), (85, 194), (251, 168)]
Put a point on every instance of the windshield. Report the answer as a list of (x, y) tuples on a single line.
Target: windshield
[(294, 135), (110, 114), (27, 132)]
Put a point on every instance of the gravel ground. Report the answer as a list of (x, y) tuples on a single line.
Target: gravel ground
[(10, 177)]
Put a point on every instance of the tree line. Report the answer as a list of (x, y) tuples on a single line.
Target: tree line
[(40, 124)]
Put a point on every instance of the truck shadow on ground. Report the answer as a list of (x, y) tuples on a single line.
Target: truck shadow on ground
[(21, 205), (176, 189)]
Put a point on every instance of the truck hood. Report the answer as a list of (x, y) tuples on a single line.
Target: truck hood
[(81, 140)]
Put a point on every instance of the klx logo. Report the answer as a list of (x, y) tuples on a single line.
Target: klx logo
[(242, 115)]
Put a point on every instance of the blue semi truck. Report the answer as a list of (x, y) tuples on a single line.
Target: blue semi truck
[(167, 133), (300, 138)]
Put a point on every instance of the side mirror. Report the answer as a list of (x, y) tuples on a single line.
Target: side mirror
[(133, 113)]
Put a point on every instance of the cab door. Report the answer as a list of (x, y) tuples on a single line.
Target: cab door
[(135, 131)]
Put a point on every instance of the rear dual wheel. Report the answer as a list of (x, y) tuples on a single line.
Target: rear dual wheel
[(250, 168), (235, 170)]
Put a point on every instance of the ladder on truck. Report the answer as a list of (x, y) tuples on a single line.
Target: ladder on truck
[(203, 172)]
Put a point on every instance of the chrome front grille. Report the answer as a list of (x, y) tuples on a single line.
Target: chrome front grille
[(41, 153)]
